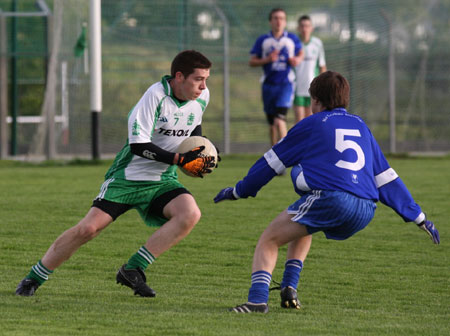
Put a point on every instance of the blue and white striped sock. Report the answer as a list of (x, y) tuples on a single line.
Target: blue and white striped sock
[(259, 291), (291, 275)]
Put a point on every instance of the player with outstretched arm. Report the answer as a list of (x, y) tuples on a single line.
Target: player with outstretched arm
[(143, 176), (339, 172)]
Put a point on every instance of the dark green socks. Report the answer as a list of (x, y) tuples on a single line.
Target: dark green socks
[(39, 273), (142, 258)]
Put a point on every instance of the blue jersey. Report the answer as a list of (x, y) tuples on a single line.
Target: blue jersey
[(337, 152), (288, 44)]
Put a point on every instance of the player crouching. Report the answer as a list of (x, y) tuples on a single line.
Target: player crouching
[(143, 176), (339, 172)]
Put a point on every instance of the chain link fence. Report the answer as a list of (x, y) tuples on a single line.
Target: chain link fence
[(140, 38)]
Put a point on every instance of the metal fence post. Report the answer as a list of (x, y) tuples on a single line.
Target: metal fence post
[(50, 116), (95, 43), (391, 74), (226, 81), (351, 52), (3, 90)]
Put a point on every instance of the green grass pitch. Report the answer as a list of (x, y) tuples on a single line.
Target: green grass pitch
[(389, 279)]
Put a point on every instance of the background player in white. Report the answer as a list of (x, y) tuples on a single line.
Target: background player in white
[(277, 52), (312, 65), (143, 176), (339, 172)]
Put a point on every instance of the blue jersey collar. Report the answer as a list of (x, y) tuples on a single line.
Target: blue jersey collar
[(282, 35), (338, 110)]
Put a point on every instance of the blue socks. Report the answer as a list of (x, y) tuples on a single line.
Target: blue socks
[(291, 275), (259, 291)]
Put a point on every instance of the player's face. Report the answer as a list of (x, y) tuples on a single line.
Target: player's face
[(278, 21), (192, 86), (305, 29)]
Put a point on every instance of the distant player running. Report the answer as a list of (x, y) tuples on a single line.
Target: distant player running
[(143, 176), (277, 52), (339, 172), (312, 65)]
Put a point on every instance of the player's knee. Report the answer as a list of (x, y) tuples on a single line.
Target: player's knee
[(87, 232), (194, 216), (190, 217), (279, 121), (270, 237)]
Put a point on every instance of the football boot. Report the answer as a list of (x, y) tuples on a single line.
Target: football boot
[(135, 279)]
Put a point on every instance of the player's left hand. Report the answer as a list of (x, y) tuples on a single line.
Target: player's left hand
[(218, 156), (225, 194), (429, 228)]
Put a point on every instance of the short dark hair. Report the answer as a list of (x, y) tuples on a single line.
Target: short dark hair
[(187, 61), (303, 18), (331, 89), (274, 10)]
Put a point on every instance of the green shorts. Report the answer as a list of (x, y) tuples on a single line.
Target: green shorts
[(302, 101), (138, 195)]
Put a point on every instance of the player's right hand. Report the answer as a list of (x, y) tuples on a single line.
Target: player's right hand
[(429, 228), (225, 194), (273, 56), (184, 158), (196, 164)]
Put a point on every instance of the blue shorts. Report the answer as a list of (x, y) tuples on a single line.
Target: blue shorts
[(277, 95), (338, 214)]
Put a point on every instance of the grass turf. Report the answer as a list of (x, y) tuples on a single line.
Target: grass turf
[(388, 279)]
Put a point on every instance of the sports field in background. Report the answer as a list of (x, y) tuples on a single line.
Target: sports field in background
[(389, 279)]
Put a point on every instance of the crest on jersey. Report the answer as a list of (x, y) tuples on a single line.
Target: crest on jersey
[(190, 119), (136, 128)]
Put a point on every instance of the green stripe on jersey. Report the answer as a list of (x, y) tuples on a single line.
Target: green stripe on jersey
[(168, 91), (202, 103), (170, 173), (157, 113), (166, 86), (123, 158)]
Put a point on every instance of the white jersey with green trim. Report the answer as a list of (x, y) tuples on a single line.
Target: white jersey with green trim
[(308, 69), (162, 119)]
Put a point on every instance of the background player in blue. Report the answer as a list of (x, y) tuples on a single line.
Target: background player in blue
[(277, 52), (339, 172)]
